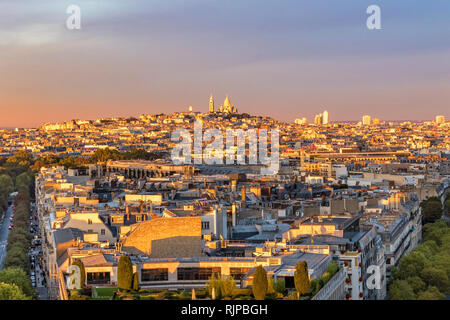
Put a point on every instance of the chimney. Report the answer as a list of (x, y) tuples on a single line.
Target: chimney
[(233, 214)]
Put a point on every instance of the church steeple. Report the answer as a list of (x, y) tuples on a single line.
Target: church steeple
[(211, 104), (227, 104)]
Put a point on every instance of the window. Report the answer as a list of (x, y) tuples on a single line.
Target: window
[(196, 273), (98, 277), (161, 274), (238, 273), (89, 221), (102, 232), (205, 225)]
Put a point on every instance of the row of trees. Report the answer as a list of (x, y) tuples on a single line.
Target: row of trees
[(447, 205), (6, 188), (100, 155), (263, 286), (23, 161), (424, 274), (431, 210), (14, 280)]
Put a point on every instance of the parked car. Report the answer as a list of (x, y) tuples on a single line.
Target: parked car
[(11, 226)]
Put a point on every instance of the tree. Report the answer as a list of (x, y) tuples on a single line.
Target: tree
[(228, 286), (22, 160), (411, 265), (280, 286), (417, 284), (432, 293), (259, 287), (18, 277), (11, 292), (214, 284), (23, 182), (436, 277), (315, 286), (135, 281), (426, 269), (6, 184), (80, 265), (16, 256), (301, 278), (431, 210), (332, 268), (401, 290), (270, 285), (125, 273)]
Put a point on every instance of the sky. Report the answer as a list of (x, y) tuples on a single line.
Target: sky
[(281, 58)]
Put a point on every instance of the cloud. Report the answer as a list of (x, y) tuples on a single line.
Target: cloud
[(30, 35)]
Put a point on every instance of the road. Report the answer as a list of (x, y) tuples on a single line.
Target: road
[(4, 232)]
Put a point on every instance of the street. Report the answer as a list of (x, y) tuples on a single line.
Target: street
[(35, 253), (4, 232), (36, 259)]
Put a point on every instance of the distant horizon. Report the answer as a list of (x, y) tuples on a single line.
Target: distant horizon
[(309, 122)]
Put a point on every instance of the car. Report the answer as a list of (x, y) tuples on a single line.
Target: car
[(32, 273), (33, 283), (11, 226)]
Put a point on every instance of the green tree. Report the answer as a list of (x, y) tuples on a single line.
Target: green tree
[(417, 284), (80, 265), (436, 277), (16, 256), (6, 184), (315, 286), (431, 210), (270, 285), (301, 278), (18, 277), (228, 286), (135, 281), (332, 268), (432, 293), (259, 287), (11, 292), (23, 182), (401, 290), (280, 286), (125, 273), (22, 160)]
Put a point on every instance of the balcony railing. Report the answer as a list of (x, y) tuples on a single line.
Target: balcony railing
[(331, 286)]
